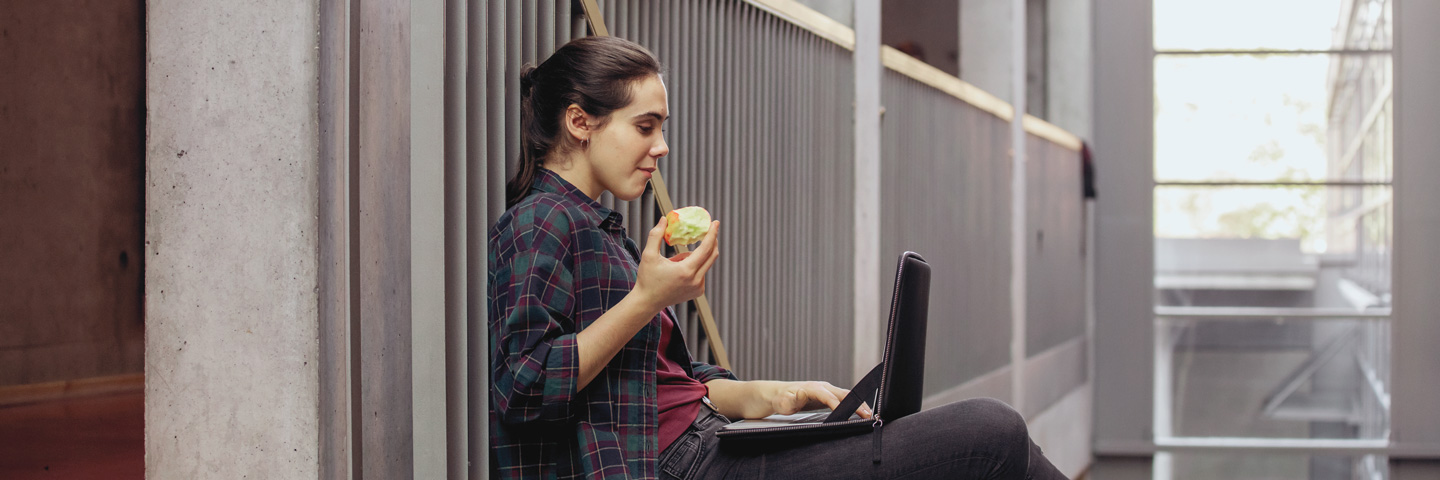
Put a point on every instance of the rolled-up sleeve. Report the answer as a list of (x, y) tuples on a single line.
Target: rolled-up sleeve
[(705, 372), (535, 361)]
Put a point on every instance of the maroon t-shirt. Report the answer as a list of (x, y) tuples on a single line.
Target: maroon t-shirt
[(677, 394)]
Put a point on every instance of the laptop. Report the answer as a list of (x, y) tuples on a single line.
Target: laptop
[(894, 387)]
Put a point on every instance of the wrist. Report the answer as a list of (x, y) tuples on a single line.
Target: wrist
[(640, 299)]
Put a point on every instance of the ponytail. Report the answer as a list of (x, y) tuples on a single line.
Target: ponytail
[(527, 166)]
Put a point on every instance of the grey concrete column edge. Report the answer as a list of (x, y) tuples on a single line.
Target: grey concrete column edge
[(1124, 243), (1416, 267), (427, 237), (867, 185), (232, 195), (338, 439), (1018, 226)]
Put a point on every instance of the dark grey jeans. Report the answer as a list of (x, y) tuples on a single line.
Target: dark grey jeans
[(979, 439)]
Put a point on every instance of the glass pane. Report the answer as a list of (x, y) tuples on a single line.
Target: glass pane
[(1268, 117), (1288, 378), (1270, 466), (1368, 26), (1360, 118), (1290, 247), (1271, 24), (1336, 220)]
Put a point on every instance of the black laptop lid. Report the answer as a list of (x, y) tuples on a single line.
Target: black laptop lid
[(903, 382), (895, 386)]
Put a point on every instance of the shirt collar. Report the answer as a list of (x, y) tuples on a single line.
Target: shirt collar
[(551, 182)]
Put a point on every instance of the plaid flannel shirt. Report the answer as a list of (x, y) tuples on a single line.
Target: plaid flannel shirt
[(558, 260)]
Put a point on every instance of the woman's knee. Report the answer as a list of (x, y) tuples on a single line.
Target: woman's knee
[(992, 418)]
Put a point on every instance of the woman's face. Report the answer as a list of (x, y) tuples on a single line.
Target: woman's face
[(624, 152)]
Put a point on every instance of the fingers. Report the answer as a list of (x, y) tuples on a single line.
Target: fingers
[(815, 395), (714, 254), (707, 245), (836, 392), (657, 236), (829, 399), (864, 409)]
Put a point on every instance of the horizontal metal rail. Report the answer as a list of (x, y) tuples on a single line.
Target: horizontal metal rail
[(1264, 183), (1265, 313), (1275, 52), (1249, 313), (1273, 445)]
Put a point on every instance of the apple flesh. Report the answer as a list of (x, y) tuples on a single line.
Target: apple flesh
[(686, 225)]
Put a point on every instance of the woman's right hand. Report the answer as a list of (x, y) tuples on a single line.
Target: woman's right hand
[(662, 281)]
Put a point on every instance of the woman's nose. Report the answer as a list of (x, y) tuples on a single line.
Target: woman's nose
[(660, 149)]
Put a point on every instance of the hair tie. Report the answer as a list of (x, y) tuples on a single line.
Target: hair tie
[(527, 79)]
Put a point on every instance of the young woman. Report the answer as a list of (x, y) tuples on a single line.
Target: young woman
[(589, 375)]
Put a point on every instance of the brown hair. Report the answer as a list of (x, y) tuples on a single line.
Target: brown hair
[(595, 73)]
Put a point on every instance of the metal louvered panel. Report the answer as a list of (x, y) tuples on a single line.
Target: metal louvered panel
[(945, 192), (775, 174), (1054, 247), (759, 135)]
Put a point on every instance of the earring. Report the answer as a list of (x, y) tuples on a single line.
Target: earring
[(585, 143)]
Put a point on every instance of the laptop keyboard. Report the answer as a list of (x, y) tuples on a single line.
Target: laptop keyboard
[(811, 418)]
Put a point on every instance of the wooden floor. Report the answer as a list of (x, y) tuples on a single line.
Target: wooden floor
[(82, 438)]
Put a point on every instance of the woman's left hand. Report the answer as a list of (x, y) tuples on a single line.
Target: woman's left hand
[(793, 397)]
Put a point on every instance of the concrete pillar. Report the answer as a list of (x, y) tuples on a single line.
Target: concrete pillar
[(868, 75), (1124, 244), (231, 245), (1417, 225)]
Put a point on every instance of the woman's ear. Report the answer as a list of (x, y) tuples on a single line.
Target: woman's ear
[(577, 123)]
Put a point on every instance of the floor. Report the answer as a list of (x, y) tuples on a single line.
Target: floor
[(83, 438)]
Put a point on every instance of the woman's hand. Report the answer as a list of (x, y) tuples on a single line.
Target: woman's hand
[(663, 282), (762, 398), (793, 397)]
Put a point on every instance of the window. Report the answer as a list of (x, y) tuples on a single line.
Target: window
[(1272, 227)]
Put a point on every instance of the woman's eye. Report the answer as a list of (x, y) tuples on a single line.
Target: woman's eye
[(646, 129)]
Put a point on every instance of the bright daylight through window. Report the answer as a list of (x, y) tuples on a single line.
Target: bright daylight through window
[(1272, 236)]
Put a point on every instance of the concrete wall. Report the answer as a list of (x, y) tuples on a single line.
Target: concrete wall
[(71, 194), (1069, 61), (231, 247), (985, 45), (985, 55), (842, 11)]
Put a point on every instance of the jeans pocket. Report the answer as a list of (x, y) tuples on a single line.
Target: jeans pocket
[(679, 460)]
